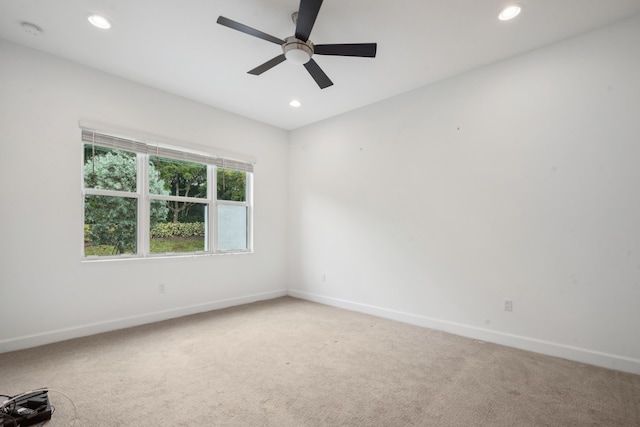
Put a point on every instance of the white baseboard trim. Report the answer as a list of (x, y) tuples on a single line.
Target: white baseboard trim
[(611, 361), (49, 337)]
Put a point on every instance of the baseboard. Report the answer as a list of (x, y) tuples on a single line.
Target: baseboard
[(49, 337), (619, 363)]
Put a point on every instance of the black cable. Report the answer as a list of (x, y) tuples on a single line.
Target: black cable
[(2, 410), (3, 415), (4, 395), (8, 409)]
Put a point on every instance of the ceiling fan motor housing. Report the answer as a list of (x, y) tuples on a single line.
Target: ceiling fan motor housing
[(297, 51)]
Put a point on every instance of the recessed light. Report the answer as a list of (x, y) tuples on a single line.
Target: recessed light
[(510, 12), (99, 21), (295, 103)]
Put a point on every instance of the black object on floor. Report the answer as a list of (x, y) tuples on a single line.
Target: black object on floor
[(26, 410)]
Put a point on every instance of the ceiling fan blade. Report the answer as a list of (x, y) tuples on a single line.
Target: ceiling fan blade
[(307, 14), (318, 75), (267, 65), (364, 50), (248, 30)]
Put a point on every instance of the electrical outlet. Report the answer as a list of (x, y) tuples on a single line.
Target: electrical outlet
[(324, 277), (162, 288), (508, 305)]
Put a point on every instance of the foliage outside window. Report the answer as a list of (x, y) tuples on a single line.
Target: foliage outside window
[(141, 204)]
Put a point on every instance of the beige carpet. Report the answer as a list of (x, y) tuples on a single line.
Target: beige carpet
[(288, 362)]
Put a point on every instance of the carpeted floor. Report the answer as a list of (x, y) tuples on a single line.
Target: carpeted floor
[(288, 362)]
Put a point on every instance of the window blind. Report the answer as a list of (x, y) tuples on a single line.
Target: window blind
[(113, 142), (120, 143)]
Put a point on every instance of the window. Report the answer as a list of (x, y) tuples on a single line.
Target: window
[(233, 210), (144, 199)]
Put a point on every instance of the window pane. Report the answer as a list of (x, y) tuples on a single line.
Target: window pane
[(232, 228), (110, 225), (187, 235), (232, 185), (108, 169), (177, 178)]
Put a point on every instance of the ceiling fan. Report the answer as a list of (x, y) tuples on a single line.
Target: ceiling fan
[(298, 48)]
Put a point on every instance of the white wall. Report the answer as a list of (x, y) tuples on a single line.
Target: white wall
[(46, 292), (519, 180)]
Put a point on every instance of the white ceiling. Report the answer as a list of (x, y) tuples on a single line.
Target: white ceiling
[(176, 45)]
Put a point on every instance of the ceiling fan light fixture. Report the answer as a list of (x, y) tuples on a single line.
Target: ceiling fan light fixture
[(297, 56), (99, 21), (297, 51), (510, 12)]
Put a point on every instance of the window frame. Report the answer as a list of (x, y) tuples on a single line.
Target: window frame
[(143, 151)]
